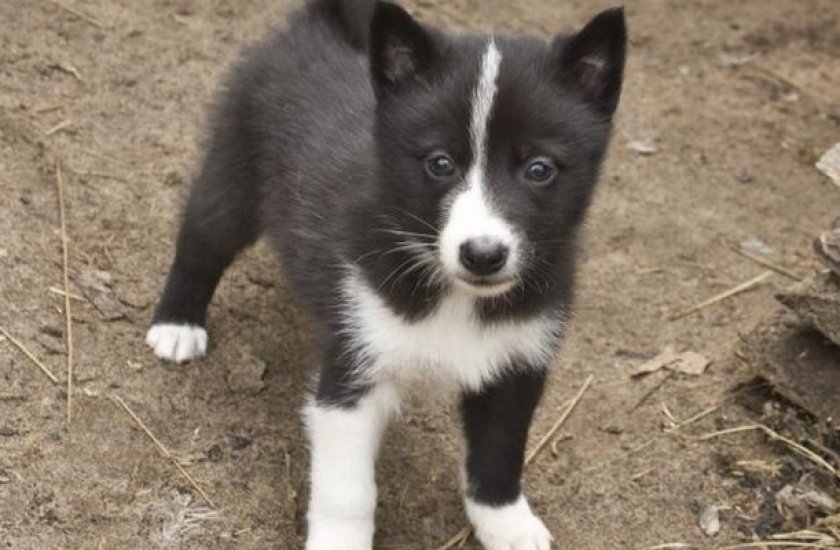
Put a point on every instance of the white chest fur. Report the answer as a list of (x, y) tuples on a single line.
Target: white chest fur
[(449, 348)]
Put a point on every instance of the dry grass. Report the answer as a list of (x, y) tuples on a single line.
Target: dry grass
[(30, 355), (163, 449), (737, 289), (68, 321)]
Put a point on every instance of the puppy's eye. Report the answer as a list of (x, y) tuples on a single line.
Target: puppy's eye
[(541, 171), (440, 166)]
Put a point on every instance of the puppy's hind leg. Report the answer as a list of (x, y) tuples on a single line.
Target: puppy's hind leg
[(219, 221)]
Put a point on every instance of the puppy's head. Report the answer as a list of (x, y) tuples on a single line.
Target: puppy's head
[(489, 147)]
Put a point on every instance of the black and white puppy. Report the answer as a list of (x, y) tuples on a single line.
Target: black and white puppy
[(424, 191)]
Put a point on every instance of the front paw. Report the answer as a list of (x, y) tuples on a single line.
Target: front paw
[(177, 342), (334, 534), (508, 527)]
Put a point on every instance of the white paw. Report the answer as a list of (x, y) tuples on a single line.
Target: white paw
[(177, 343), (509, 527), (354, 534)]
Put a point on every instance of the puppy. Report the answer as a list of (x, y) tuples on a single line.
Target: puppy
[(425, 192)]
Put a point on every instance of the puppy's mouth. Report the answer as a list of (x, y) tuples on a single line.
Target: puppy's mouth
[(485, 286)]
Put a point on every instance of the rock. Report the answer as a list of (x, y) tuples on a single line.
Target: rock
[(827, 247), (799, 362), (5, 477), (95, 285), (817, 302)]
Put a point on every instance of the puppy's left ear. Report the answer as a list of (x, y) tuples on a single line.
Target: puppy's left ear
[(401, 49), (593, 59)]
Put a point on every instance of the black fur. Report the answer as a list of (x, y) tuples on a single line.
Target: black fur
[(496, 422)]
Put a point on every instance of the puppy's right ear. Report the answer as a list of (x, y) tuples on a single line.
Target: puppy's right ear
[(401, 50)]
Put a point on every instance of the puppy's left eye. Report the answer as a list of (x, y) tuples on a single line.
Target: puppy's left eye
[(541, 171)]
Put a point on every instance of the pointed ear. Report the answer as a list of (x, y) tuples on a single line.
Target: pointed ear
[(401, 50), (594, 58)]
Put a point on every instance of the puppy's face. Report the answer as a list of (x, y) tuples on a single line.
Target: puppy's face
[(490, 147)]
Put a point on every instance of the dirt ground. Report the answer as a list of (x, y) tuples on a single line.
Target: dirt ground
[(738, 98)]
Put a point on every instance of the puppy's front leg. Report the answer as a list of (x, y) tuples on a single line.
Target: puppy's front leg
[(344, 437), (496, 422)]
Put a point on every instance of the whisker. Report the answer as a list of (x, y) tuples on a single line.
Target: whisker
[(402, 233), (419, 263), (395, 271), (421, 220)]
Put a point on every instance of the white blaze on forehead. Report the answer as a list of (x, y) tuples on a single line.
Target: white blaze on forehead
[(483, 98), (471, 213)]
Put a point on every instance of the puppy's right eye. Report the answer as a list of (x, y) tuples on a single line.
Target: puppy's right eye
[(440, 166)]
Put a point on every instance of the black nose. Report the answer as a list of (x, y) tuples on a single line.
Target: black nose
[(483, 256)]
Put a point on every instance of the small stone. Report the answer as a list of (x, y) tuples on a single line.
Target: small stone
[(644, 148), (5, 477), (709, 521), (829, 164), (6, 431), (756, 246)]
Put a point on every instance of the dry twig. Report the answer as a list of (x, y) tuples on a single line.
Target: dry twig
[(743, 287), (655, 388), (68, 322), (772, 434), (767, 263), (59, 292), (560, 421), (63, 125), (30, 355), (76, 12), (697, 417), (162, 448)]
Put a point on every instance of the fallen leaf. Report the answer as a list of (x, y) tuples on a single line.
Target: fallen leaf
[(690, 362), (687, 362)]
